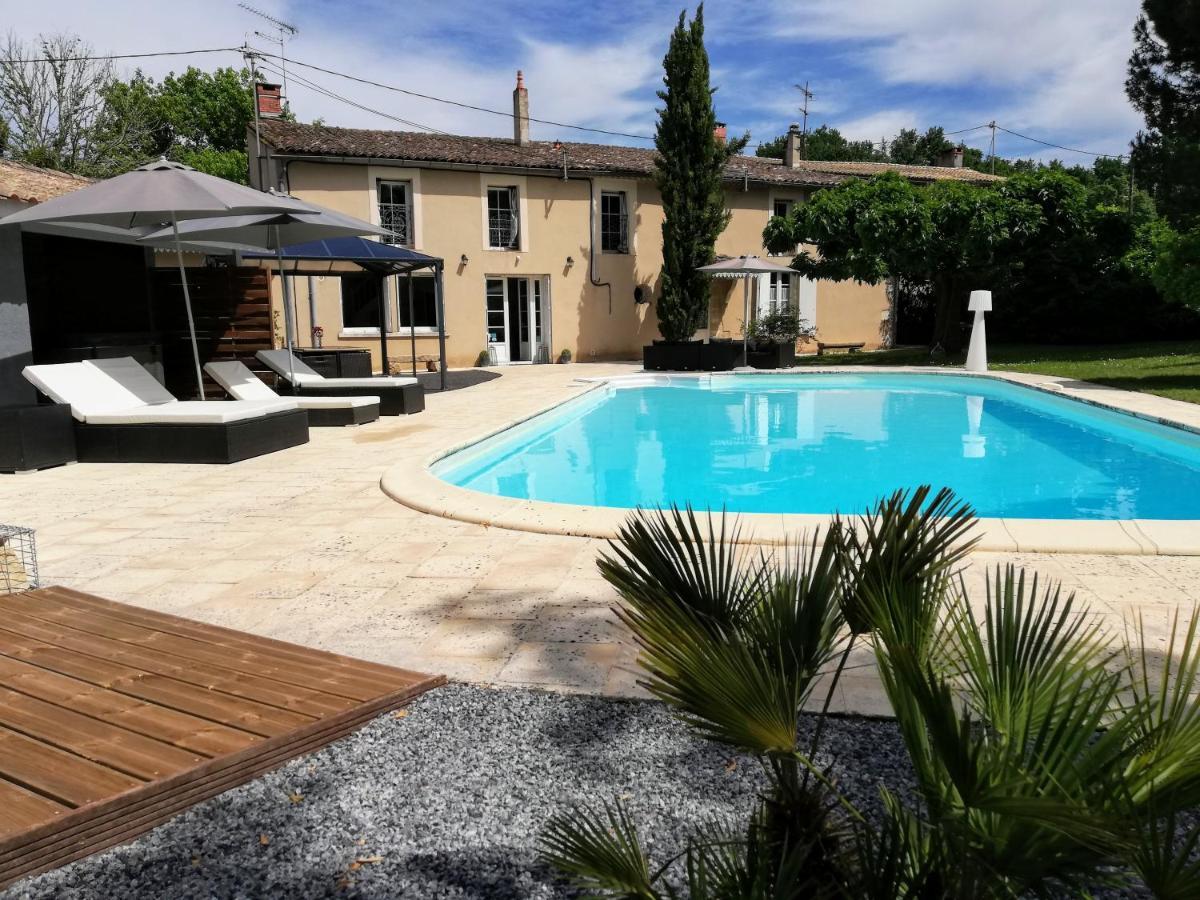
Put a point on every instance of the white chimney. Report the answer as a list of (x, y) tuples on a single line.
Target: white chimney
[(792, 148), (520, 111)]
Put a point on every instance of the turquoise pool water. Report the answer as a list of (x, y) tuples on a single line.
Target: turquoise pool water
[(826, 443)]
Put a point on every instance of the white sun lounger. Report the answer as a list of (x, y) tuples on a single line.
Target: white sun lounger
[(123, 414), (242, 384), (398, 395)]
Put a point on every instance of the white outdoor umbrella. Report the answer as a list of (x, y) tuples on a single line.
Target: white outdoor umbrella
[(744, 267), (274, 232), (156, 194)]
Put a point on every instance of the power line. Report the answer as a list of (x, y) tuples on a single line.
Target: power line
[(1059, 146), (461, 105), (965, 130), (54, 59), (320, 89)]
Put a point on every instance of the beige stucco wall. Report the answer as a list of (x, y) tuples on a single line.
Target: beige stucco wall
[(593, 322)]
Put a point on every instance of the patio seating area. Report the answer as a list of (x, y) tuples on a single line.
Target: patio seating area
[(114, 718)]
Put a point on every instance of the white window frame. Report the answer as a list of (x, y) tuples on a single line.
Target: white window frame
[(790, 197), (354, 331), (613, 186), (520, 182), (376, 174), (623, 248), (406, 187), (401, 295)]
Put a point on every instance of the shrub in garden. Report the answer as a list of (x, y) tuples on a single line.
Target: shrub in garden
[(1050, 757)]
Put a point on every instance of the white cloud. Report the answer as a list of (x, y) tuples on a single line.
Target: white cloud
[(1057, 67), (873, 127), (1054, 68), (589, 85)]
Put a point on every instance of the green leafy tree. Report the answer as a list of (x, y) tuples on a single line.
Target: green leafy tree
[(688, 170), (1164, 84), (1176, 267), (1050, 757), (824, 143), (913, 149), (953, 236)]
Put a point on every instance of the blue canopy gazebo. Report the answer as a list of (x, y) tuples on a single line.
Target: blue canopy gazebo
[(337, 256)]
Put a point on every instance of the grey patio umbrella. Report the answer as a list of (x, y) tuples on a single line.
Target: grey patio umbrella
[(274, 232), (744, 267), (156, 194)]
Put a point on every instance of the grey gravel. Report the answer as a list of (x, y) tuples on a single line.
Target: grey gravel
[(449, 799)]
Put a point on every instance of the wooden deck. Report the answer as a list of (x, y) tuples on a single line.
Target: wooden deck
[(115, 718)]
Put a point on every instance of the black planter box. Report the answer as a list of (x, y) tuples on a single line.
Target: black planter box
[(36, 437), (721, 356), (772, 356), (662, 356)]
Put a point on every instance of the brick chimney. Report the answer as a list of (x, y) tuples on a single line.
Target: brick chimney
[(520, 111), (719, 133), (952, 158), (792, 150)]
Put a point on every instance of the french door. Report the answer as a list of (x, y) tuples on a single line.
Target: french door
[(516, 317)]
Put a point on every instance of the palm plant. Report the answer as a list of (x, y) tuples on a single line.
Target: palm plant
[(1048, 758)]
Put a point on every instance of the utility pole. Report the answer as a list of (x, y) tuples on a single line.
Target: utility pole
[(285, 32), (1131, 175), (249, 55), (992, 125), (808, 95)]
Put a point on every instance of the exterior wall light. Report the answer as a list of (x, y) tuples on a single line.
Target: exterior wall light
[(463, 259), (570, 261)]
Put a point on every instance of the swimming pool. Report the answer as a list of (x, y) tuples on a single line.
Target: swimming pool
[(835, 443)]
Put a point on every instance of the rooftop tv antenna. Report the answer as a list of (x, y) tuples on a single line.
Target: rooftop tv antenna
[(808, 95), (285, 31)]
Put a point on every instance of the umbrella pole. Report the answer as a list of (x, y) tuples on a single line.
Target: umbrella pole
[(745, 318), (187, 304), (287, 311)]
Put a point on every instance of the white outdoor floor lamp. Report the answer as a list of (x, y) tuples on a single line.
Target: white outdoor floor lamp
[(980, 303)]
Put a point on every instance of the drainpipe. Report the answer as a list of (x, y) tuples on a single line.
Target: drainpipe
[(592, 243), (312, 304)]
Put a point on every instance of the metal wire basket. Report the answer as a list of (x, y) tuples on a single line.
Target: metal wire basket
[(18, 559)]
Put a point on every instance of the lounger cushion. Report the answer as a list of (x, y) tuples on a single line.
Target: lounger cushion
[(87, 389), (193, 412), (277, 362), (133, 377), (335, 402), (381, 382), (241, 383), (120, 392)]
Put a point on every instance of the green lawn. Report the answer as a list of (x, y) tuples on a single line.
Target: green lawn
[(1168, 368)]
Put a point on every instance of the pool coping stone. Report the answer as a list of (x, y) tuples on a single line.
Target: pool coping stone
[(411, 482)]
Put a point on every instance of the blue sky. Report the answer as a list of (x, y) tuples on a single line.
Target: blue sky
[(1049, 68)]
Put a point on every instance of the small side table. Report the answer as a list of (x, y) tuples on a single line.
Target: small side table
[(36, 437)]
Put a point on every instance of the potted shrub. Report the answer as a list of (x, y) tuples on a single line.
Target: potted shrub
[(772, 339), (688, 170), (564, 357)]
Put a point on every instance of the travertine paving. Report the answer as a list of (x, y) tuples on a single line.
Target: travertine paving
[(302, 545)]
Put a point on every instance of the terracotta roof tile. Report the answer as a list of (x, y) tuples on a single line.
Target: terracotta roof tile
[(33, 184), (323, 140)]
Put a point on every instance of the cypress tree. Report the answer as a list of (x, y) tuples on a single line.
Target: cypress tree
[(688, 170)]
